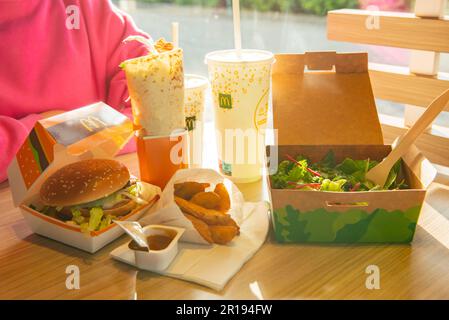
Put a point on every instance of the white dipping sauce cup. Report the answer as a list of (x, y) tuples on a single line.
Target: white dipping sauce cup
[(158, 260)]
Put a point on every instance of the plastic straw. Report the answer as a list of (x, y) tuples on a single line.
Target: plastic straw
[(237, 29), (175, 34)]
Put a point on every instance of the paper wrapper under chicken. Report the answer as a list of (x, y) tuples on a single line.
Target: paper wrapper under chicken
[(167, 212)]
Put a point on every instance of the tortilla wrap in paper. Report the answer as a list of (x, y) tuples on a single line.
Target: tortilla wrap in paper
[(156, 88)]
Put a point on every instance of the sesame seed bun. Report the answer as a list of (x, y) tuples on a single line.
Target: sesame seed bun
[(84, 181)]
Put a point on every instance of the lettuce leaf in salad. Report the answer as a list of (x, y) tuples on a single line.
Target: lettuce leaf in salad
[(327, 175), (328, 161), (280, 179), (329, 185), (393, 177), (299, 173)]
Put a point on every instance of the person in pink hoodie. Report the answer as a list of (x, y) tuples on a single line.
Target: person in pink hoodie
[(58, 55)]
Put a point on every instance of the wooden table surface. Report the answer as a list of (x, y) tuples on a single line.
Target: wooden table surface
[(33, 267)]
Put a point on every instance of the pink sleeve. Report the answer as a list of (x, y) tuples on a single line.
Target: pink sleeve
[(12, 134), (120, 26)]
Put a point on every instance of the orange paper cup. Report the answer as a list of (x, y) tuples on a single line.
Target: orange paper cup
[(161, 156)]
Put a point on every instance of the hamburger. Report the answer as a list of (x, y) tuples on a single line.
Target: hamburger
[(91, 193)]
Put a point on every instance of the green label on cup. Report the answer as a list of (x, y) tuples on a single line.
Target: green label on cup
[(225, 101), (226, 168)]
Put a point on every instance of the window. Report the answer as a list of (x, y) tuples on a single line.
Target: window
[(274, 25)]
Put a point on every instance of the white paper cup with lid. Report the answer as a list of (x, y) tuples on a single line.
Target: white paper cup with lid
[(194, 97), (240, 84)]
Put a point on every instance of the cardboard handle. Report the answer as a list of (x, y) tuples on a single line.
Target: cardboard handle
[(296, 64), (338, 62), (320, 60), (347, 204)]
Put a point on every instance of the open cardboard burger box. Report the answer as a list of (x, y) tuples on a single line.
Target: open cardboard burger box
[(94, 131), (324, 101)]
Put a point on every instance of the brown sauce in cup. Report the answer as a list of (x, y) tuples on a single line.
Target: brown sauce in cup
[(156, 242)]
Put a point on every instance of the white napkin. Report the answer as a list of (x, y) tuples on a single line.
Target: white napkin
[(214, 265)]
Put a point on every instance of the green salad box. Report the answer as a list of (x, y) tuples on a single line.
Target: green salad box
[(324, 101)]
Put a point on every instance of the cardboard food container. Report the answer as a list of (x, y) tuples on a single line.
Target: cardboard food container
[(94, 131), (324, 101)]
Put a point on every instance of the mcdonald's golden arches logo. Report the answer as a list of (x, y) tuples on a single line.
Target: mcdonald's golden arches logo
[(225, 101), (92, 123)]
